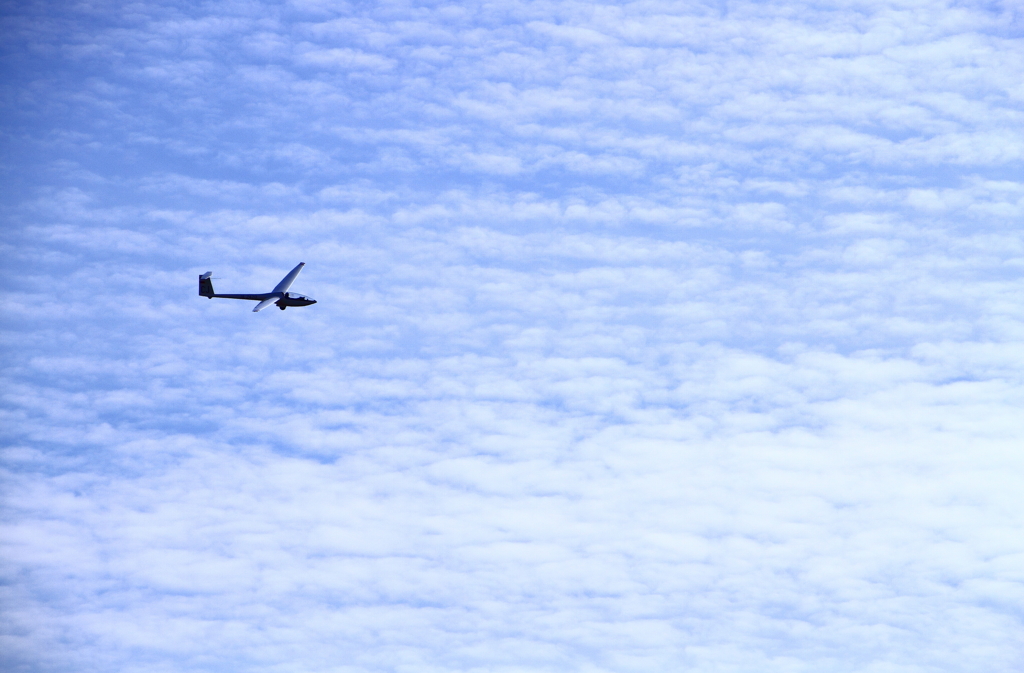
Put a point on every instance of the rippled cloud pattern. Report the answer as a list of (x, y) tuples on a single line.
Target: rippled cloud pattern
[(650, 336)]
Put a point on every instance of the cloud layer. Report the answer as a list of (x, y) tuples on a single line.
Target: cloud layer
[(650, 336)]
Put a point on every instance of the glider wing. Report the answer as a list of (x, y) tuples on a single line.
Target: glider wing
[(287, 281), (265, 303)]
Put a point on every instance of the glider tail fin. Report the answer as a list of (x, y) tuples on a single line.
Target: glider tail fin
[(206, 285)]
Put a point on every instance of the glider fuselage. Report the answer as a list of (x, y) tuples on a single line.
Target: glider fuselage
[(279, 296)]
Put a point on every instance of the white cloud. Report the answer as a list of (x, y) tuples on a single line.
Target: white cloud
[(649, 337)]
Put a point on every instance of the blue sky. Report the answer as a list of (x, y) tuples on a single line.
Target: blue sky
[(653, 336)]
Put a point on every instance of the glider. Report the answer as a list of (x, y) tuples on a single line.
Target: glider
[(279, 295)]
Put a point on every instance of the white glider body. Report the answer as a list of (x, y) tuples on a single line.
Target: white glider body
[(279, 295)]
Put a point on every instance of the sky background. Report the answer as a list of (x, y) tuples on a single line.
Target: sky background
[(651, 336)]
